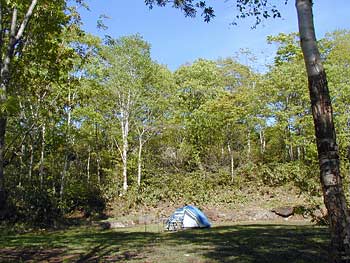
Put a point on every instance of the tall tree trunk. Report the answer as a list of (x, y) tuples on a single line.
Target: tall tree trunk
[(68, 141), (232, 161), (3, 121), (42, 156), (98, 160), (262, 141), (142, 140), (21, 165), (327, 148), (63, 175), (31, 161), (124, 153), (125, 163), (88, 165), (124, 102), (298, 153), (249, 144), (291, 152), (139, 162)]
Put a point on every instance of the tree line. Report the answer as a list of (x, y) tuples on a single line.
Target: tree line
[(117, 118)]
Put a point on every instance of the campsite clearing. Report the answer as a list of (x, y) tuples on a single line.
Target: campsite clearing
[(279, 241)]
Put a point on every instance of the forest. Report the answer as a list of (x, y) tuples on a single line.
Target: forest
[(91, 120), (90, 123)]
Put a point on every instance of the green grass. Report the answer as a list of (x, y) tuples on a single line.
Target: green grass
[(259, 242)]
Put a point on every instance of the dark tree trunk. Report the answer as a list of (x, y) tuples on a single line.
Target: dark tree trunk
[(327, 148), (3, 121)]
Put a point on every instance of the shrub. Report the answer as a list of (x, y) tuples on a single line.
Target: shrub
[(34, 206), (84, 197)]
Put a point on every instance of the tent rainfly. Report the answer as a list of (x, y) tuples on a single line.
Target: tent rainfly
[(187, 217)]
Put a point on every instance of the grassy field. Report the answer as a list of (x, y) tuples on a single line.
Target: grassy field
[(258, 242)]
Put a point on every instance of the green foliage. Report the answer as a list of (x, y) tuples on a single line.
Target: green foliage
[(11, 106), (34, 206), (208, 132), (84, 197), (288, 49), (301, 175), (180, 189)]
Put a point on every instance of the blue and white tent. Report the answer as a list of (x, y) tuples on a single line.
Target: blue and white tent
[(187, 217)]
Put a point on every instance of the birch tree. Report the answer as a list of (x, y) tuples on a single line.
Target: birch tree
[(153, 109), (10, 35), (25, 26), (128, 72)]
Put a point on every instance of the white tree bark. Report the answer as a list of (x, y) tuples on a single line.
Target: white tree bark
[(42, 155), (88, 165), (249, 144), (125, 103), (63, 176), (68, 135), (98, 161), (142, 141), (231, 161), (262, 141), (139, 163), (31, 161), (125, 133)]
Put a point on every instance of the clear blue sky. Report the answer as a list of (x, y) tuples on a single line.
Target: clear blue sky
[(176, 40)]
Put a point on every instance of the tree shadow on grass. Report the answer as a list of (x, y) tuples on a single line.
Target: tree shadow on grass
[(239, 243), (260, 243), (78, 245)]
